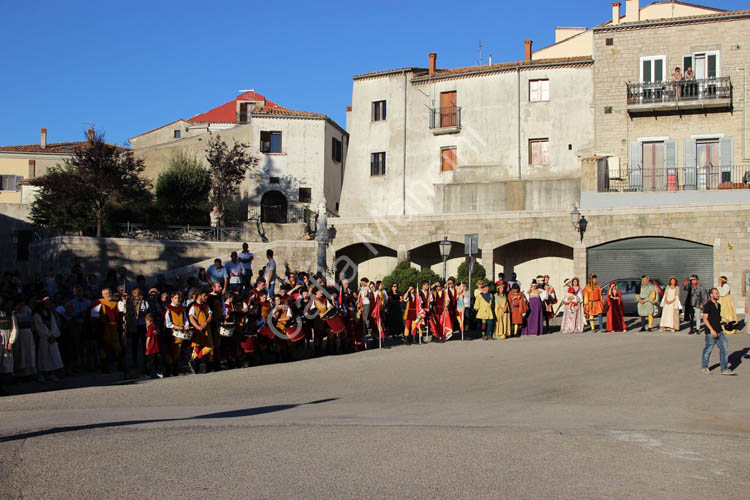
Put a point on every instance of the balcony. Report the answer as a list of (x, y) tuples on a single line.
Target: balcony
[(704, 178), (650, 97), (445, 120)]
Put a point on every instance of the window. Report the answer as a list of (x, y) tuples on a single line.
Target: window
[(270, 142), (538, 90), (377, 164), (378, 111), (448, 159), (305, 195), (177, 134), (652, 68), (9, 182), (538, 151), (246, 110), (705, 64), (32, 169), (336, 150)]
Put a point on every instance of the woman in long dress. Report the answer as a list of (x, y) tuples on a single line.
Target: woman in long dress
[(535, 319), (502, 313), (573, 320), (615, 312), (728, 311), (45, 326), (670, 307), (24, 348), (8, 331), (394, 313)]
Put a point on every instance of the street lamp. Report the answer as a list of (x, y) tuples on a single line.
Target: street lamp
[(579, 221), (445, 251)]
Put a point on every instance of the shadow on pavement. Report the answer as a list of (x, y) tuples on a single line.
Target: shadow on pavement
[(247, 412), (735, 359)]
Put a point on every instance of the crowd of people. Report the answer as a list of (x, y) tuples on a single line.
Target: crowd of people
[(223, 318)]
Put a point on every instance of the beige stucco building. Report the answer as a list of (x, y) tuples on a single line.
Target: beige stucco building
[(302, 155)]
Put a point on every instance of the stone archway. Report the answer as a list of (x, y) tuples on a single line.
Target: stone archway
[(273, 207), (532, 257), (370, 260)]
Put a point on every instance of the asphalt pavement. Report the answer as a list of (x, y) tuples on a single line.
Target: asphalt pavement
[(593, 415)]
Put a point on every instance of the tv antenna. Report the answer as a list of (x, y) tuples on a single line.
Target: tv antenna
[(479, 62)]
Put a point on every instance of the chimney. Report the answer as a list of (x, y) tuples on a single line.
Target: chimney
[(615, 13), (632, 10), (90, 134), (490, 63), (43, 140), (433, 63), (527, 53)]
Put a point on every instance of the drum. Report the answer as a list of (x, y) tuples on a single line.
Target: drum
[(334, 321), (248, 343), (266, 332), (296, 332), (182, 334), (226, 330)]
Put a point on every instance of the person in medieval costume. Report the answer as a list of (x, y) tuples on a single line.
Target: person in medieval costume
[(573, 320), (48, 359), (518, 308), (201, 317), (728, 311), (484, 307), (646, 299), (106, 316), (535, 319), (593, 302), (175, 320), (411, 325), (502, 313), (615, 311), (671, 307)]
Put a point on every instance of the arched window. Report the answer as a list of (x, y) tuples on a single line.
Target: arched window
[(273, 207)]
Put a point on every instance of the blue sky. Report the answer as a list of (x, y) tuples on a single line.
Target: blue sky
[(127, 67)]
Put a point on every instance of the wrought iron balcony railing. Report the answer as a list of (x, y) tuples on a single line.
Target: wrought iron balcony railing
[(699, 178), (449, 117), (680, 92)]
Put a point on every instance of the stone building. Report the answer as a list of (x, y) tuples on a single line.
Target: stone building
[(302, 154), (662, 179)]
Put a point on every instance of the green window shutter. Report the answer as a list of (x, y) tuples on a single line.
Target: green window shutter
[(636, 165), (689, 172)]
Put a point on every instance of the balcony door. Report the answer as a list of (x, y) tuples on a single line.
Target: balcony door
[(653, 166), (707, 162), (448, 109)]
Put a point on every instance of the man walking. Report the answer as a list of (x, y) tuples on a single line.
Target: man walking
[(697, 300), (714, 334)]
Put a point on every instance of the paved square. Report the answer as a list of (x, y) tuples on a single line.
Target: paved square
[(560, 416)]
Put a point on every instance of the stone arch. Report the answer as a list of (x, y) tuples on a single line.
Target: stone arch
[(350, 258), (531, 257), (627, 233)]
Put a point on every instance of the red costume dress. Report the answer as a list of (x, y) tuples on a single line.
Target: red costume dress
[(615, 314)]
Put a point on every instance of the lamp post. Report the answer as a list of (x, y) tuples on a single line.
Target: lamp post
[(445, 251), (579, 221)]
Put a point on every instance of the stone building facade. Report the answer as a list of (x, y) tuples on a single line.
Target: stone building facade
[(302, 154)]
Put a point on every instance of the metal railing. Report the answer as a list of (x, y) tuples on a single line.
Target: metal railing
[(449, 117), (189, 233), (280, 214), (679, 91), (699, 178)]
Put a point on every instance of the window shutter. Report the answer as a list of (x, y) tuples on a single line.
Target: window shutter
[(726, 150), (687, 62), (690, 177), (711, 66), (545, 90), (670, 160), (635, 166)]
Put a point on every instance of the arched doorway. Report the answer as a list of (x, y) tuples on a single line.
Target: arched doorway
[(273, 207)]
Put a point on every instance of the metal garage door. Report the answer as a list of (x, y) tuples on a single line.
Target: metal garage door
[(658, 257)]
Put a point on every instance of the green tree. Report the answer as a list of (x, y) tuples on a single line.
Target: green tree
[(182, 190), (98, 178), (478, 273), (228, 168), (404, 274)]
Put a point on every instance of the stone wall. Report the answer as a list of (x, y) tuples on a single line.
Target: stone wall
[(152, 257)]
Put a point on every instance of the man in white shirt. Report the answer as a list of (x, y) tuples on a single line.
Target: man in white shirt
[(270, 275), (235, 272)]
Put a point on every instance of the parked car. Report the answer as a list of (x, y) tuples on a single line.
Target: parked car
[(629, 287)]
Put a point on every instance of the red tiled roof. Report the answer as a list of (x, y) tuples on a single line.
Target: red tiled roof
[(54, 147), (227, 113), (445, 73), (279, 111)]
